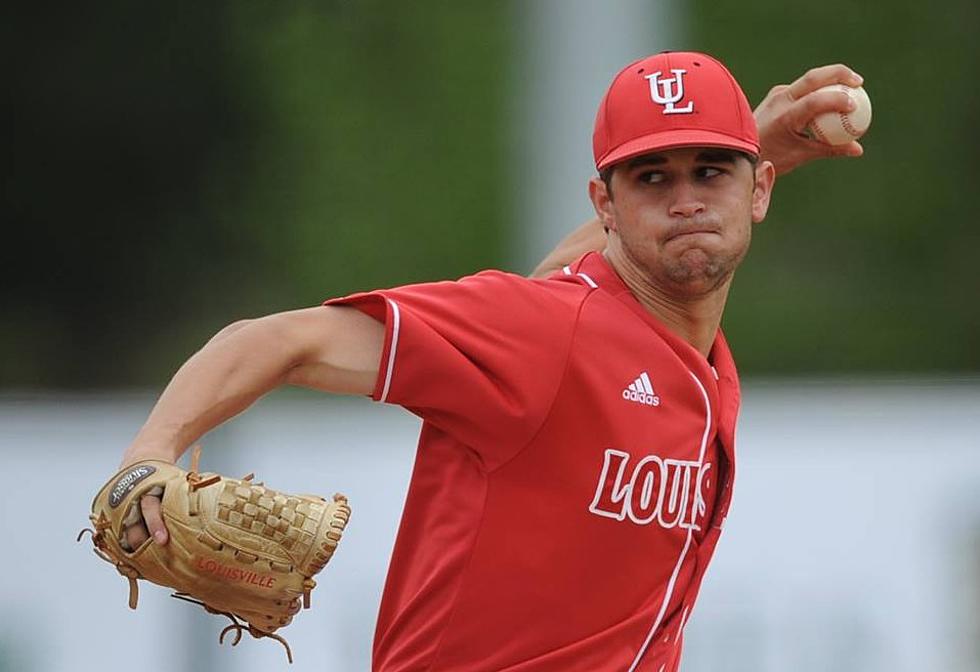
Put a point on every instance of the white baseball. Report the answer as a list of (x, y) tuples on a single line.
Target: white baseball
[(839, 128)]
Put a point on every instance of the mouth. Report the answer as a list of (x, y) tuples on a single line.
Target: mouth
[(693, 231)]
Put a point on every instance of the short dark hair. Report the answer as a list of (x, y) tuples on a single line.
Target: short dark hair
[(606, 174)]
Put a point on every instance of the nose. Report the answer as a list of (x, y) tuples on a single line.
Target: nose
[(685, 200)]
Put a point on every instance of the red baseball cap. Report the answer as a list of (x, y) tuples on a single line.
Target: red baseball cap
[(672, 99)]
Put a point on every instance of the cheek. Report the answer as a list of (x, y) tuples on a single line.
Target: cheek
[(741, 214), (640, 219), (741, 230)]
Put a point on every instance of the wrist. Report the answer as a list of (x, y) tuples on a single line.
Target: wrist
[(142, 449)]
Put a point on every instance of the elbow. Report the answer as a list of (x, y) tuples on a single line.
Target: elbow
[(230, 329)]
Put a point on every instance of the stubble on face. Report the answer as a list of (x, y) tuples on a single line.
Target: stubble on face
[(687, 256), (688, 265), (699, 267)]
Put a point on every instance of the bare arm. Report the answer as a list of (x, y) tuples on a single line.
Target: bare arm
[(335, 349), (781, 118)]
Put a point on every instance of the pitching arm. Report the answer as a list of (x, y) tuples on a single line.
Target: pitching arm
[(586, 238)]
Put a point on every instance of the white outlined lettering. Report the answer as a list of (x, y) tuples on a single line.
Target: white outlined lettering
[(667, 491)]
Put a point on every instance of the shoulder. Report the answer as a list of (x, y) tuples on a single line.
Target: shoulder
[(495, 290)]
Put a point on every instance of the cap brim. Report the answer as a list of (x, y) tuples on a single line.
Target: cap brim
[(672, 140)]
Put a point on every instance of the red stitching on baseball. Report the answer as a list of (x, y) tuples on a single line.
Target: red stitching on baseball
[(845, 121), (815, 127)]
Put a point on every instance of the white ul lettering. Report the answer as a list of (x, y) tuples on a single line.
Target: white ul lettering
[(670, 91)]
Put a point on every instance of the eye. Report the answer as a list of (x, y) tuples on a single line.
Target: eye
[(651, 177), (709, 171)]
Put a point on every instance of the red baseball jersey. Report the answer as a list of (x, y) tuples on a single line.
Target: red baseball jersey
[(574, 469)]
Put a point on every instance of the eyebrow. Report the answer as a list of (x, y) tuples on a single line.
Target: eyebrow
[(707, 156)]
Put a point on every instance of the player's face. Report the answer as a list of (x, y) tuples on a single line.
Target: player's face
[(682, 218)]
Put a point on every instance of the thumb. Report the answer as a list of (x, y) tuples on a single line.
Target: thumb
[(853, 148)]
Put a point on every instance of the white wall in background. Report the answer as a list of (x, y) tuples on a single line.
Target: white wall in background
[(853, 543)]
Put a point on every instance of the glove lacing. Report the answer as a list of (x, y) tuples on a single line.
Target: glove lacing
[(102, 550), (237, 626)]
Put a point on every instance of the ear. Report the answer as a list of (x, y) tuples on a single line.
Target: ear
[(602, 202), (765, 177)]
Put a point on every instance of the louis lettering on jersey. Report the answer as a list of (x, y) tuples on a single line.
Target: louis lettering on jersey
[(664, 490)]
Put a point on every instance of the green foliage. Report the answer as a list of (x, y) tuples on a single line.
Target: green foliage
[(178, 169), (172, 169), (376, 147)]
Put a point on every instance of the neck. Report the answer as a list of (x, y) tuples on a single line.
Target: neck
[(695, 318)]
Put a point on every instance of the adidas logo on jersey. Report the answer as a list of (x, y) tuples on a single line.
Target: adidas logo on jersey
[(641, 391)]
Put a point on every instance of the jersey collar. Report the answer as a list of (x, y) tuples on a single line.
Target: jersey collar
[(594, 270)]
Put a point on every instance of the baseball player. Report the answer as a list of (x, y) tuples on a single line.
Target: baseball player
[(576, 458)]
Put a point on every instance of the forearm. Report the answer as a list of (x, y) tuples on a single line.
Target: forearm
[(332, 349), (235, 368)]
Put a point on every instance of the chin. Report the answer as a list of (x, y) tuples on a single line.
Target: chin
[(697, 275), (696, 263)]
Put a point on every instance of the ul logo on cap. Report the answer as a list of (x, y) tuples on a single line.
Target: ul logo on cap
[(668, 92)]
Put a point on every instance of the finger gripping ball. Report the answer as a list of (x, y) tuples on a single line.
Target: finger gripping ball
[(840, 128)]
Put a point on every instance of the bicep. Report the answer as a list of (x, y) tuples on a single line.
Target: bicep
[(341, 349)]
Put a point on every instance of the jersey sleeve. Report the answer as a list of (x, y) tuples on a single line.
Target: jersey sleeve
[(480, 358)]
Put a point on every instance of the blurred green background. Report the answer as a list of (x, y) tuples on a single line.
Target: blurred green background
[(173, 168)]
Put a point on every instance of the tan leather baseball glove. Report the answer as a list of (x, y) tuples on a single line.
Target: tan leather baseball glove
[(236, 547)]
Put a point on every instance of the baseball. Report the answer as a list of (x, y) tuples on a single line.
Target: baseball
[(839, 128)]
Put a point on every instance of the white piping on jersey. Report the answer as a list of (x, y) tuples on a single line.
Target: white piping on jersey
[(396, 320), (690, 533), (589, 281), (680, 628)]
